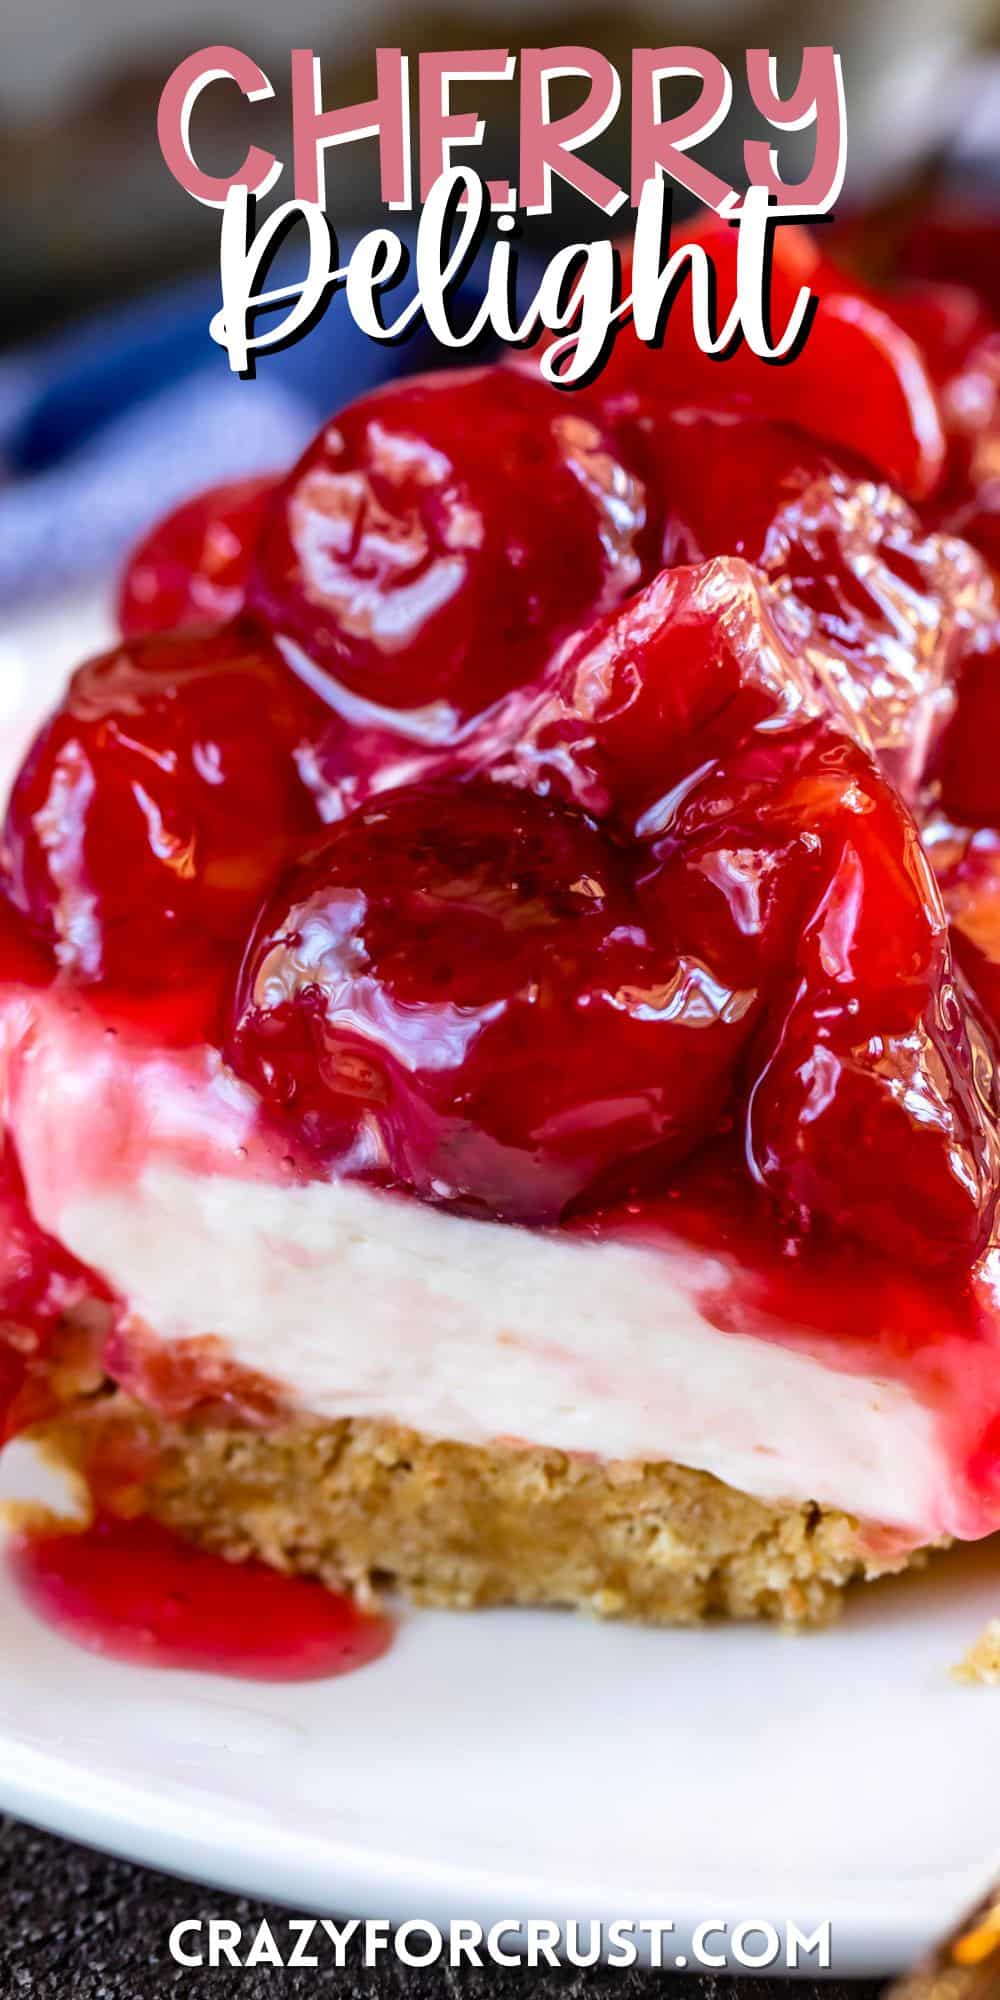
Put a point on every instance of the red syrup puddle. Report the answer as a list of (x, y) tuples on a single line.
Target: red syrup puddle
[(133, 1591)]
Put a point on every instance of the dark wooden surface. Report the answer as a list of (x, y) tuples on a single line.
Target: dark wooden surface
[(76, 1925)]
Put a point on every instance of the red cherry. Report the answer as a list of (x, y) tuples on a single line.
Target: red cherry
[(462, 994), (947, 322), (963, 839), (969, 502), (961, 344), (436, 998), (880, 607), (442, 536), (688, 718), (656, 692), (967, 866), (876, 1107), (867, 619), (858, 382), (191, 568), (967, 766), (976, 518), (159, 802), (719, 479), (953, 244)]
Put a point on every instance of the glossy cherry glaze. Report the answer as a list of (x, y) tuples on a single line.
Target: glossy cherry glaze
[(770, 916), (608, 1013), (855, 576), (132, 1590), (625, 889), (191, 569), (442, 536), (156, 806)]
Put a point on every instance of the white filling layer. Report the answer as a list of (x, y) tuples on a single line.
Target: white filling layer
[(149, 1166), (365, 1304)]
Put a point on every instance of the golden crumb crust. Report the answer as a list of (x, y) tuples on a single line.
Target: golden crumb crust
[(377, 1508), (982, 1661)]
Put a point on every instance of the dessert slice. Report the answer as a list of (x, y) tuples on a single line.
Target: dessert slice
[(491, 1104)]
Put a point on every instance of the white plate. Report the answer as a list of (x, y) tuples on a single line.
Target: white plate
[(526, 1764), (516, 1765)]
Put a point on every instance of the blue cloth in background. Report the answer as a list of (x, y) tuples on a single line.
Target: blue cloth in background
[(108, 425)]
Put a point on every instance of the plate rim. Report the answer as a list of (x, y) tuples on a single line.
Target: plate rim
[(876, 1931)]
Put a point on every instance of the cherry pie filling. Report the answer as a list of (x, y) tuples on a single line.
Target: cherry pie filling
[(579, 812)]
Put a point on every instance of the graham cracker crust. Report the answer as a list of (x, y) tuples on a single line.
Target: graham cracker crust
[(379, 1509)]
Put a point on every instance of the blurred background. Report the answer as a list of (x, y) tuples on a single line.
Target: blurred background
[(113, 401)]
